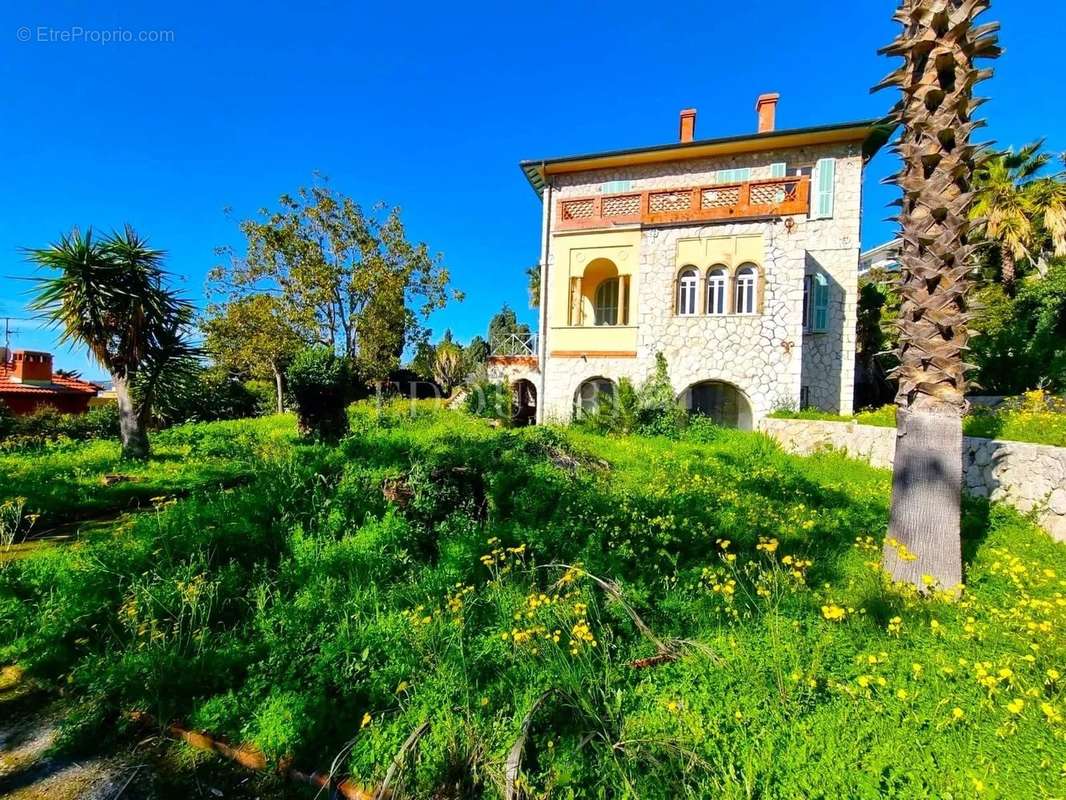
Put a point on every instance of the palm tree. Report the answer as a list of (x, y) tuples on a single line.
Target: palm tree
[(110, 296), (448, 365), (1021, 212), (939, 44)]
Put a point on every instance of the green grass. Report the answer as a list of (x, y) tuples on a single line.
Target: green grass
[(1017, 425), (65, 481), (307, 609)]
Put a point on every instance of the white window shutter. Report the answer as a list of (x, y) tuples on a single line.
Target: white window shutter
[(825, 179), (778, 170)]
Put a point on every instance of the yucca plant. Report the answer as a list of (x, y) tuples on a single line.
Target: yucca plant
[(940, 44), (110, 295)]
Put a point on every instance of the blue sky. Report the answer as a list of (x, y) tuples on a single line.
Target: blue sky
[(426, 106)]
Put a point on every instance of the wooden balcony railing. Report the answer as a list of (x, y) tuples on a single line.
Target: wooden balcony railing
[(771, 197)]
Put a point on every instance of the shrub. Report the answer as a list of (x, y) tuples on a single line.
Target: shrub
[(7, 420), (651, 410), (489, 400), (320, 384), (212, 395)]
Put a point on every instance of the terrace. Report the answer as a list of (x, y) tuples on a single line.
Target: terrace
[(770, 197)]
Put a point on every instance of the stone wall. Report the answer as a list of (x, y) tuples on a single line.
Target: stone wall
[(1027, 476), (766, 356)]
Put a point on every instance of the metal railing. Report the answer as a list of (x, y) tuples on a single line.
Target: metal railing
[(513, 344)]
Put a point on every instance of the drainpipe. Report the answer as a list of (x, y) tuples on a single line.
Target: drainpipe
[(542, 343)]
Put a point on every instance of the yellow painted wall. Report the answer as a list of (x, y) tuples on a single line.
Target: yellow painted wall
[(581, 254), (732, 251)]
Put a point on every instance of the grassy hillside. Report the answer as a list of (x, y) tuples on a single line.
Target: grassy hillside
[(696, 618)]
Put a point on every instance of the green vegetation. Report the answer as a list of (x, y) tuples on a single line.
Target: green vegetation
[(68, 480), (1036, 418), (738, 638)]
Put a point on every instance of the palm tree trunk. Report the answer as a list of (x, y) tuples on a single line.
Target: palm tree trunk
[(1008, 269), (939, 44), (132, 430)]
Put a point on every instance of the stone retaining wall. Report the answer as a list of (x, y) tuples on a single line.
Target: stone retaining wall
[(1027, 476)]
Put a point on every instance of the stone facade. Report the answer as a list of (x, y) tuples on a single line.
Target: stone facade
[(766, 356), (1030, 477)]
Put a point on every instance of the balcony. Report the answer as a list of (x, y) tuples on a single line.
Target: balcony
[(513, 348), (771, 197)]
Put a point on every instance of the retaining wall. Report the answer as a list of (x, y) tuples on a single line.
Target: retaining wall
[(1027, 476)]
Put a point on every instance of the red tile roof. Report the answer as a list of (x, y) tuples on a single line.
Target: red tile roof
[(59, 385)]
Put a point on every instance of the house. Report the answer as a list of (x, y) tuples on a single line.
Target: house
[(27, 383), (735, 257), (884, 257)]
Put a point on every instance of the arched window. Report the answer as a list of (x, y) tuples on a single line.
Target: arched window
[(747, 283), (716, 290), (605, 303), (591, 393), (686, 292)]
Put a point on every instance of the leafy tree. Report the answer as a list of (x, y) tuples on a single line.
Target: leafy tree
[(252, 335), (215, 393), (422, 362), (320, 385), (877, 335), (344, 278), (939, 44), (110, 295), (1022, 345), (476, 354), (503, 325), (1022, 213)]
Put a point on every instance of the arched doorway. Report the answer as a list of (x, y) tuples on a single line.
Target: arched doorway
[(590, 393), (523, 402), (722, 402)]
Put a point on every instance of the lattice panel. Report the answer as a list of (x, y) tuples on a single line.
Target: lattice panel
[(720, 198), (772, 193), (622, 206), (578, 209), (670, 201)]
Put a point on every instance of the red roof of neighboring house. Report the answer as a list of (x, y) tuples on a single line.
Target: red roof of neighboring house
[(59, 385)]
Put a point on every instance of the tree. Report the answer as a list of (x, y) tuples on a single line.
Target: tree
[(344, 278), (939, 44), (533, 274), (320, 384), (422, 362), (506, 333), (1020, 212), (448, 365), (252, 335), (476, 354), (110, 295)]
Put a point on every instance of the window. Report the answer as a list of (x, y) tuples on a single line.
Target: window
[(823, 183), (591, 393), (778, 170), (614, 187), (686, 292), (805, 397), (716, 294), (733, 175), (806, 170), (605, 303), (815, 303), (746, 283)]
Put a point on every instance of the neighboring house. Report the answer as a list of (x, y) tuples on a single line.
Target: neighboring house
[(737, 258), (27, 383), (884, 257)]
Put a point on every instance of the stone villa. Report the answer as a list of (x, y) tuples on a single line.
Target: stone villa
[(735, 257)]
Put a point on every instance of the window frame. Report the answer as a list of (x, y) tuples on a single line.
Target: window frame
[(746, 282), (683, 276), (604, 315), (717, 278)]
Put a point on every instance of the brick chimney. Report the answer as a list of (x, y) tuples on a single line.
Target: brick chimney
[(688, 124), (31, 367), (766, 106)]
